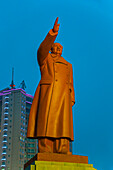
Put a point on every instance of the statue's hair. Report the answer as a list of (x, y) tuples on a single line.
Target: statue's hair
[(58, 44)]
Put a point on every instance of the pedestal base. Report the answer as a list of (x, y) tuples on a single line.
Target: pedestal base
[(45, 161)]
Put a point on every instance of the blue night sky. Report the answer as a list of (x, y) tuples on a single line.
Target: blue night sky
[(86, 33)]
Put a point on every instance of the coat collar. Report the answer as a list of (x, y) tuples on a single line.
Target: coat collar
[(59, 59)]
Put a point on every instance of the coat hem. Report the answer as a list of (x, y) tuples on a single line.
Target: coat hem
[(38, 137)]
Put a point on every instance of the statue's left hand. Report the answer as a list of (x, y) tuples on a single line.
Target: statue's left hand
[(56, 25)]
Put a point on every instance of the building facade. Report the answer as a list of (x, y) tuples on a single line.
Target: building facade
[(15, 148)]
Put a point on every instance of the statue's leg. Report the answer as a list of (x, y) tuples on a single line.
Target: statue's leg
[(62, 146), (45, 145)]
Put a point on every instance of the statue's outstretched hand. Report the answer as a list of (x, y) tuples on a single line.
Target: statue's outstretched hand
[(56, 25)]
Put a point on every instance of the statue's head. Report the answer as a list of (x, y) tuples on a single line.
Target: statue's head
[(56, 48)]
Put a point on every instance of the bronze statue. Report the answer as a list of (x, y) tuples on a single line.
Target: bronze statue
[(50, 119)]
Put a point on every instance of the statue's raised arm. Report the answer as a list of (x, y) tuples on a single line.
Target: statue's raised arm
[(46, 45), (56, 26)]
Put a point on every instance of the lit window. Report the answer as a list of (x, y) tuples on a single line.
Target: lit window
[(6, 118), (3, 166), (6, 97), (5, 113), (5, 129), (5, 134), (20, 138), (6, 102), (5, 124), (6, 108), (4, 147)]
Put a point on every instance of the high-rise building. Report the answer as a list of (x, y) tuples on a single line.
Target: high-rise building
[(15, 148)]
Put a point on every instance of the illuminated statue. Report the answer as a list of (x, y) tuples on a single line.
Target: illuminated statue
[(50, 118)]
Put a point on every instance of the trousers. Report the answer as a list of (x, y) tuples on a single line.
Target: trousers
[(53, 145)]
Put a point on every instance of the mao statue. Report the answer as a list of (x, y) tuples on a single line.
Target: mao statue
[(50, 119)]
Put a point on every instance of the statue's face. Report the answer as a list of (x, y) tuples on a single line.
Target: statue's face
[(56, 49)]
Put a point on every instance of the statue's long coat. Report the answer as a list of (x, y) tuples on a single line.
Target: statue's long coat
[(51, 110)]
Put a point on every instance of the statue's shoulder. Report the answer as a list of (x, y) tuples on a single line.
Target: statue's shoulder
[(67, 62), (70, 65)]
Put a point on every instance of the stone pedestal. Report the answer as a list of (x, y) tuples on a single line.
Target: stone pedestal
[(45, 161)]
